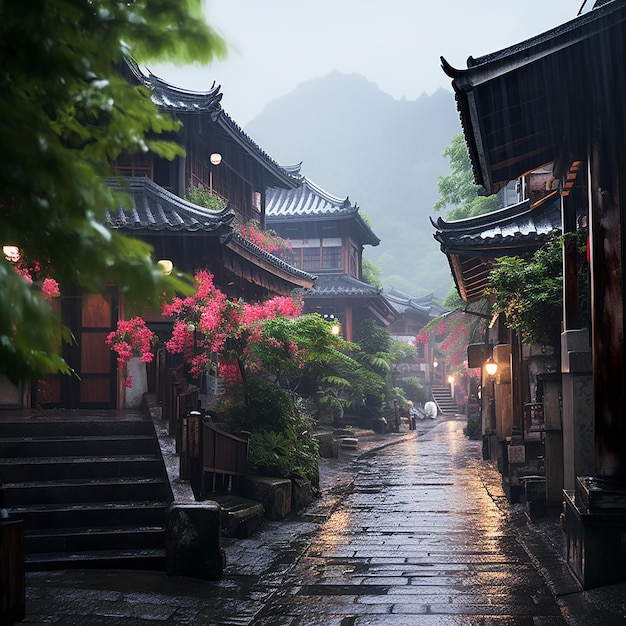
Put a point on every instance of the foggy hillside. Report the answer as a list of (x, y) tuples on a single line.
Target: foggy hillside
[(354, 140)]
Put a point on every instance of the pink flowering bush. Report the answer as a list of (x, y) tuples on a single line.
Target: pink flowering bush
[(208, 322), (131, 337), (267, 240), (50, 289), (32, 272), (423, 338)]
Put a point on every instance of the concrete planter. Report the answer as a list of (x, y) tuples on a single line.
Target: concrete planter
[(133, 396)]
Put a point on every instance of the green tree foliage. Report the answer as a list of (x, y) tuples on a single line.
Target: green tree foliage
[(458, 189), (370, 273), (65, 113), (530, 292)]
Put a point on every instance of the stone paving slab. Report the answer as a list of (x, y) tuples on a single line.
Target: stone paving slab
[(307, 570)]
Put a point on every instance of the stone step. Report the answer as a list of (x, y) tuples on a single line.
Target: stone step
[(74, 428), (13, 470), (76, 446), (240, 517), (85, 490), (74, 540), (112, 513), (97, 559)]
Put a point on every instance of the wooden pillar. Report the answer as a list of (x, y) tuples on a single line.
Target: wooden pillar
[(516, 382), (571, 306), (347, 324), (606, 175)]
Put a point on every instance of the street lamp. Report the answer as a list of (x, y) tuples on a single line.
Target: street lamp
[(215, 159), (335, 327), (451, 383), (491, 366)]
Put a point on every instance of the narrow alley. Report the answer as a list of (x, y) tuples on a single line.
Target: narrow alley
[(410, 534), (419, 540)]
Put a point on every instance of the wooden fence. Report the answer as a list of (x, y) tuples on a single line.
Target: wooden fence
[(213, 460)]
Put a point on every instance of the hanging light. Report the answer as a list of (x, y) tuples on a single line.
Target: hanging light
[(491, 366), (166, 266), (11, 253)]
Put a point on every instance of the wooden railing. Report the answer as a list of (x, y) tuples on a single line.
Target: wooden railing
[(213, 460)]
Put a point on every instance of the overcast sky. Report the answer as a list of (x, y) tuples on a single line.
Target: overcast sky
[(277, 44)]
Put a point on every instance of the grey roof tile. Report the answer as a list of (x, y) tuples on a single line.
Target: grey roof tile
[(155, 208), (341, 285)]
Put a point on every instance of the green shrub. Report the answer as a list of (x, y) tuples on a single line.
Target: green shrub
[(279, 421), (413, 389), (201, 196), (473, 428)]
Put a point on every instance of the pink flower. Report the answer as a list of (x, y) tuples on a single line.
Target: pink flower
[(131, 336), (50, 289)]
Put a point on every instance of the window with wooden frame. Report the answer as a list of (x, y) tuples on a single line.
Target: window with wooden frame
[(316, 254)]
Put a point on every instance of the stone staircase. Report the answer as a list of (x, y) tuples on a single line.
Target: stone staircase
[(445, 402), (92, 490)]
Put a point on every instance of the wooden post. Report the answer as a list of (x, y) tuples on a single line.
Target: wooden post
[(12, 580), (606, 176)]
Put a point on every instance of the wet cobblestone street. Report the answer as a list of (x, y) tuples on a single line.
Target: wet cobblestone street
[(419, 540), (408, 534)]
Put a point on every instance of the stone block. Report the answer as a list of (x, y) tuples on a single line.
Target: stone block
[(594, 544), (349, 443), (302, 494), (328, 445), (193, 540), (273, 493)]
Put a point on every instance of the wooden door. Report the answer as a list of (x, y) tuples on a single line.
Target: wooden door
[(91, 317)]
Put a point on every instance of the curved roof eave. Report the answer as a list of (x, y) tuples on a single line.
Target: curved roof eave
[(310, 201), (157, 209), (510, 135), (186, 102), (275, 265)]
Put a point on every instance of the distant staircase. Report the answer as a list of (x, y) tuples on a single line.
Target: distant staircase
[(92, 491), (444, 401)]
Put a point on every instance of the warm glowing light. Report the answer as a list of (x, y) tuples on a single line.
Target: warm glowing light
[(335, 327), (215, 158), (435, 364), (166, 266), (491, 366), (450, 379), (11, 253)]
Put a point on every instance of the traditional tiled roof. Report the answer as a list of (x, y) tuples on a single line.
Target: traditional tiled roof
[(183, 101), (516, 226), (472, 244), (312, 202), (406, 304), (333, 284), (270, 258), (518, 104), (155, 208)]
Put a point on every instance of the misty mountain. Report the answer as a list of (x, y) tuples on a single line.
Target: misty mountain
[(385, 154)]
